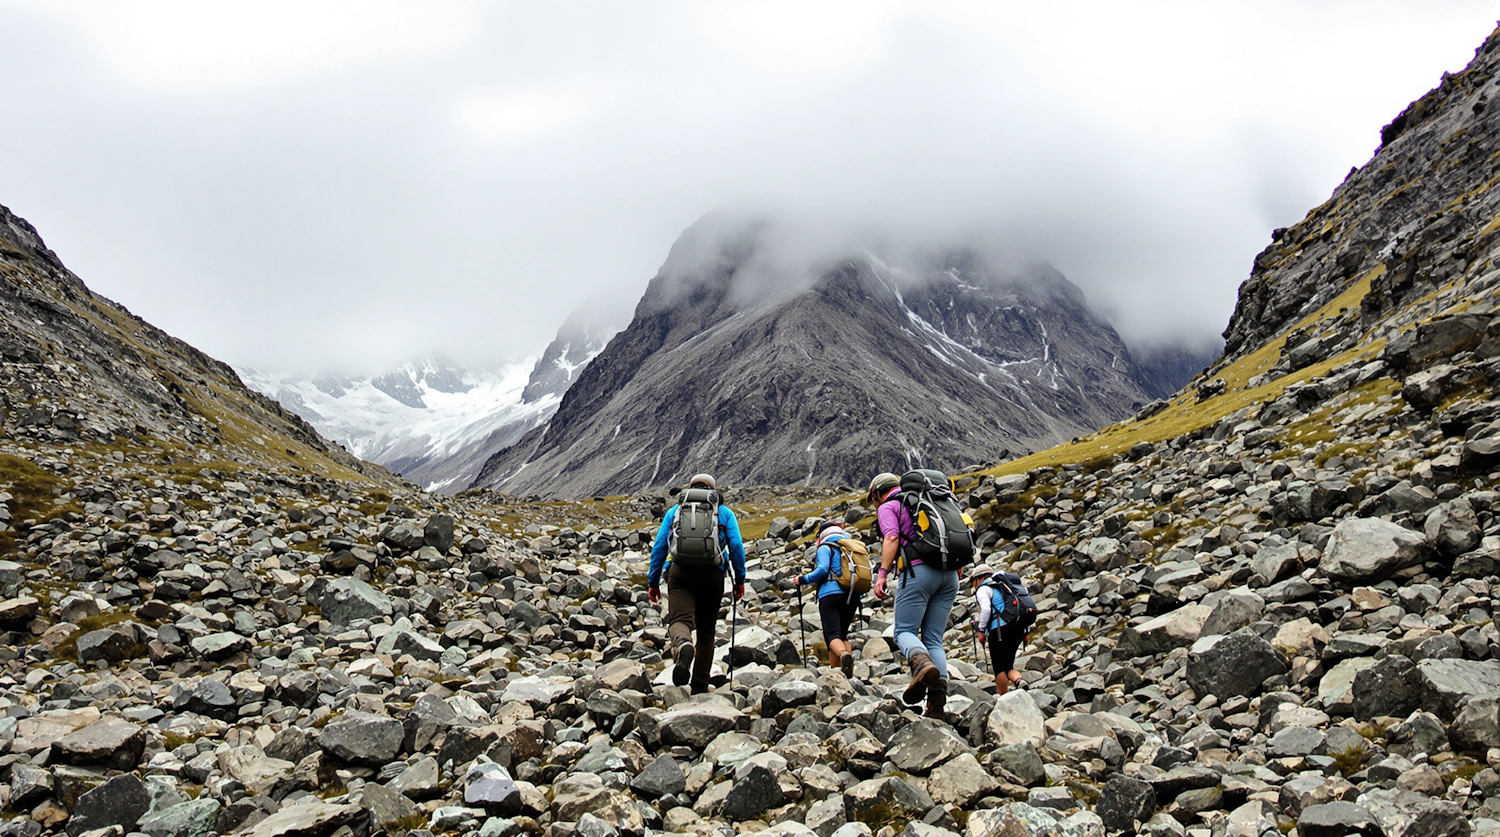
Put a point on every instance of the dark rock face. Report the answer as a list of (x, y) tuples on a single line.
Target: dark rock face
[(1385, 213), (581, 337), (1124, 802), (764, 382), (121, 801)]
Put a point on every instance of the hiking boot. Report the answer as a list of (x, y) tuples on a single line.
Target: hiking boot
[(924, 673), (846, 665), (682, 670), (937, 698)]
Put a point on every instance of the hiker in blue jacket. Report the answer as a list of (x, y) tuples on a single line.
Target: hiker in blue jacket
[(695, 580), (836, 606)]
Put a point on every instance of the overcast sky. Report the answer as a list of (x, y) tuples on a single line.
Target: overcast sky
[(343, 185)]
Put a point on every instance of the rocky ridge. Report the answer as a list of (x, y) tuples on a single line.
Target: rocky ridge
[(736, 365)]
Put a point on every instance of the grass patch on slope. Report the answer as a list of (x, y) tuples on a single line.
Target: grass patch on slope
[(1186, 414)]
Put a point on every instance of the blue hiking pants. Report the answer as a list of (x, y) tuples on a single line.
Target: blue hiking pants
[(923, 603)]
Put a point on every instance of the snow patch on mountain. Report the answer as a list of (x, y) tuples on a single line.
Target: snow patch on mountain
[(416, 417)]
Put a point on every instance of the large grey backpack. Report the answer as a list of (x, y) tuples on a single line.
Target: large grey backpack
[(694, 539)]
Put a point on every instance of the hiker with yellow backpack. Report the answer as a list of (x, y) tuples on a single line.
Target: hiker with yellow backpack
[(842, 573)]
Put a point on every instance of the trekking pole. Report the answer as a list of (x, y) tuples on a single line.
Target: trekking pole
[(733, 618), (974, 635), (802, 625)]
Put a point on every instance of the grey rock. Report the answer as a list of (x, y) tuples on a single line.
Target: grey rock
[(220, 645), (1368, 550), (1296, 741), (194, 818), (662, 776), (108, 742), (28, 785), (1477, 727), (348, 599), (1453, 529), (1022, 761), (1388, 687), (419, 781), (120, 801), (1235, 610), (1124, 801), (697, 721), (1337, 819), (751, 794), (1447, 683), (104, 644), (362, 738), (438, 533), (386, 806), (788, 693), (1163, 633), (924, 744), (1273, 564), (1014, 719), (1439, 818), (889, 792), (1232, 665), (490, 786), (961, 781), (403, 641), (306, 819)]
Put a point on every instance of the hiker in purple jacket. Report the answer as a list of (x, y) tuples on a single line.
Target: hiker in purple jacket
[(924, 599)]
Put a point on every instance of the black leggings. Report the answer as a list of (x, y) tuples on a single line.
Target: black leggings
[(836, 612), (1004, 642)]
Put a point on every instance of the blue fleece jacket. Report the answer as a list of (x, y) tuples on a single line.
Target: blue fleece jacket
[(829, 563), (729, 536)]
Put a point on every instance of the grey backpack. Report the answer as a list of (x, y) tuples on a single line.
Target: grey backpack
[(694, 539)]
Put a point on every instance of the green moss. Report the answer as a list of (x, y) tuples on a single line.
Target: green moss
[(410, 822), (1348, 761), (34, 491)]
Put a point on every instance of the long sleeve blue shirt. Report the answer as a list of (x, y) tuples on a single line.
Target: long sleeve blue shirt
[(829, 562), (729, 537)]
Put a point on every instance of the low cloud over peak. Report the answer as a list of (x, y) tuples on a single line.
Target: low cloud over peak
[(372, 185)]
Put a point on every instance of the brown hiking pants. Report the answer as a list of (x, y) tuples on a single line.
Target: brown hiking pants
[(693, 598)]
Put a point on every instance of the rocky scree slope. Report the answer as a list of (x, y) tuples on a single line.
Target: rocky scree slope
[(723, 370)]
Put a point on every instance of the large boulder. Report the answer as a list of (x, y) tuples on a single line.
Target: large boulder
[(348, 599), (1015, 719), (108, 742), (1365, 550), (961, 781), (1477, 727), (306, 819), (1179, 628), (920, 746), (1338, 819), (121, 801), (1124, 802), (363, 738), (697, 721), (194, 818), (1236, 664), (1453, 528), (1447, 683), (1387, 687), (1235, 610)]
